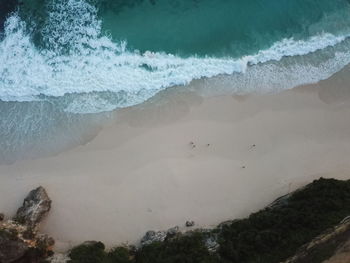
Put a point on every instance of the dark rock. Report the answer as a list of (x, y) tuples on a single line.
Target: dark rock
[(35, 206), (211, 244), (2, 216), (19, 244), (44, 241), (11, 247), (152, 236), (227, 223), (284, 200), (28, 233), (281, 201), (173, 231), (189, 223)]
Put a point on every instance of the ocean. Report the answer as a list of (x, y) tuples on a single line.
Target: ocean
[(62, 62)]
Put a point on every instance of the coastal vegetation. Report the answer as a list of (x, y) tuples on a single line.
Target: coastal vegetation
[(271, 235)]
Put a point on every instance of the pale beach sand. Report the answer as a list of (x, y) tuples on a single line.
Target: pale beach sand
[(142, 172)]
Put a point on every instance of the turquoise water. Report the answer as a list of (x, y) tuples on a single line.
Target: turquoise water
[(73, 58), (219, 27)]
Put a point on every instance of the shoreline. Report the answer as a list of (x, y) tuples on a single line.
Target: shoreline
[(181, 156)]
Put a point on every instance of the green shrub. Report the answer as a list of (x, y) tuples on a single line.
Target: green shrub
[(184, 249), (119, 255), (273, 234), (91, 252)]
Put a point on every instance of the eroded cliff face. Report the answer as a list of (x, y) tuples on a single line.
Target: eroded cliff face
[(342, 255), (332, 246)]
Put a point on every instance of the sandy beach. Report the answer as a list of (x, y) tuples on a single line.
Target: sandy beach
[(181, 156)]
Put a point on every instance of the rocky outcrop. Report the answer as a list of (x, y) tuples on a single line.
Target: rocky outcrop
[(189, 223), (173, 231), (153, 236), (18, 243), (12, 247), (35, 207), (211, 243), (159, 236), (19, 240)]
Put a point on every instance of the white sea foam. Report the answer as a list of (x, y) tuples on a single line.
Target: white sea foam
[(79, 59), (291, 47)]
